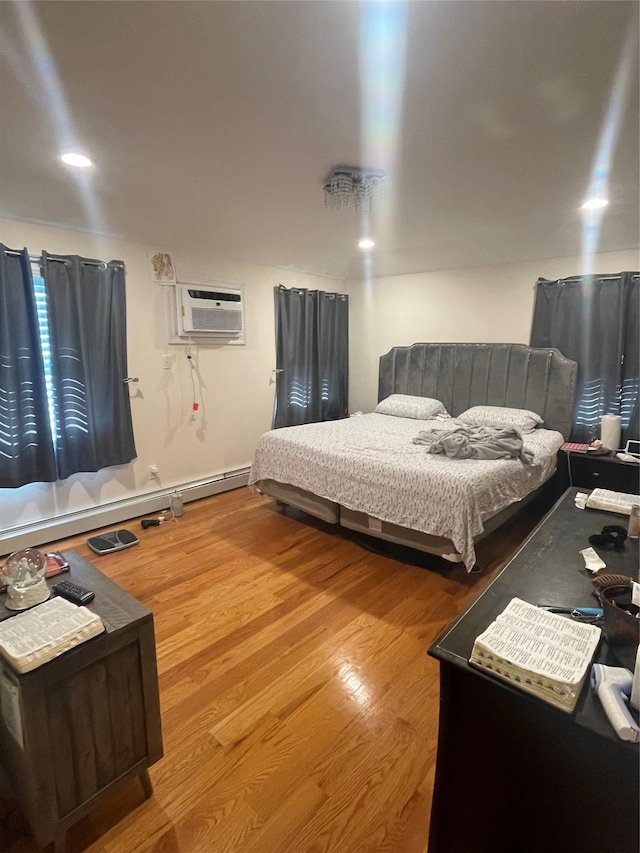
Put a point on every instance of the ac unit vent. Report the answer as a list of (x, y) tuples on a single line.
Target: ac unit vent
[(208, 319), (210, 311)]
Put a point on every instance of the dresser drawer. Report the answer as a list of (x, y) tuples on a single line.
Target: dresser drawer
[(603, 472)]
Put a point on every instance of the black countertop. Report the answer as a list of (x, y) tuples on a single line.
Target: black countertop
[(547, 569)]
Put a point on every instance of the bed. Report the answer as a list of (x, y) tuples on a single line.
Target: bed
[(367, 474)]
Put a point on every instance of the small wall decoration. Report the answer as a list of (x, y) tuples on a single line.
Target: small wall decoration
[(163, 270)]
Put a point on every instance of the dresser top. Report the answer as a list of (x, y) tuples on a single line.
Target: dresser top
[(547, 569)]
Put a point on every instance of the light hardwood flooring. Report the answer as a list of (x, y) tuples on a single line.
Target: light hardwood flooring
[(299, 706)]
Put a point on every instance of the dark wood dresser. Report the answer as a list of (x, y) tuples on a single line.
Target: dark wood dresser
[(77, 726), (514, 774)]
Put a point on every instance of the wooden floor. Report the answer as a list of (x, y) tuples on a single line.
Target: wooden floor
[(299, 706)]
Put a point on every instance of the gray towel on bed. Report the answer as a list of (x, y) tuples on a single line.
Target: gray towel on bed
[(475, 442)]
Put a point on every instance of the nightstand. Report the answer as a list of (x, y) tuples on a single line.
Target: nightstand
[(75, 728), (591, 471)]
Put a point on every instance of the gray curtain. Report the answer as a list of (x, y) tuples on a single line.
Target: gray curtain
[(26, 448), (312, 356), (87, 323), (594, 321)]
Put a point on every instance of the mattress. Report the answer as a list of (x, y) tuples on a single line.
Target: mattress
[(369, 464)]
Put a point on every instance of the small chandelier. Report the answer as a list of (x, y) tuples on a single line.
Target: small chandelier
[(352, 185)]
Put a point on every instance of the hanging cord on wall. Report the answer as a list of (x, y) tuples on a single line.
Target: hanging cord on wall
[(569, 469), (194, 403)]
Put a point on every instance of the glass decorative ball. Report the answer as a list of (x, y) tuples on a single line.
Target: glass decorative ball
[(23, 574)]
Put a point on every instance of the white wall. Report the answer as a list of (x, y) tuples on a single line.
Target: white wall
[(485, 304), (236, 391), (236, 383)]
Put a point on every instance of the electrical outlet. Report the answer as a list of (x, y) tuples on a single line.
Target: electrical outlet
[(153, 472), (167, 361)]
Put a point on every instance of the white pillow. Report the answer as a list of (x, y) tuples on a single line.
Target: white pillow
[(406, 406), (501, 417)]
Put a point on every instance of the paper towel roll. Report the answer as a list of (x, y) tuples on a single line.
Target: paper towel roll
[(610, 432)]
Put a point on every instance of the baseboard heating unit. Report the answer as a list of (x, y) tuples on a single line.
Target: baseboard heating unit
[(74, 523)]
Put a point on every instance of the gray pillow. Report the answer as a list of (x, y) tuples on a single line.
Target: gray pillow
[(501, 417), (407, 406)]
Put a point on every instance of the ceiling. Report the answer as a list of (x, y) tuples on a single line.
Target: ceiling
[(214, 125)]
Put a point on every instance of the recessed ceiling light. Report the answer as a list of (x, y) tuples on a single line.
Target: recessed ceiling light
[(595, 203), (366, 243), (78, 160)]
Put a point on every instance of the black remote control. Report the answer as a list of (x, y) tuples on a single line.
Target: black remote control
[(73, 592)]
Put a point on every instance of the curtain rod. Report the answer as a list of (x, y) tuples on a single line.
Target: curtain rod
[(16, 254), (36, 259), (299, 290), (597, 277)]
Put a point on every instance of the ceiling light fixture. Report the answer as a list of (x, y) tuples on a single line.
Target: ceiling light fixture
[(352, 185), (78, 160), (366, 243), (595, 203)]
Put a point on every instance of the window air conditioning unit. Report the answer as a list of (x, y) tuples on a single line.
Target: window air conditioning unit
[(209, 310)]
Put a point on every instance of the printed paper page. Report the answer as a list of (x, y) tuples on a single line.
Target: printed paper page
[(551, 627), (43, 626), (541, 642), (612, 501)]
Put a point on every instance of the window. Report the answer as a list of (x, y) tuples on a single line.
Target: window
[(64, 404), (312, 356), (594, 321), (45, 343), (594, 402)]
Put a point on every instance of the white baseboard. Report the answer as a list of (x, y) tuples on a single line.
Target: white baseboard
[(71, 524)]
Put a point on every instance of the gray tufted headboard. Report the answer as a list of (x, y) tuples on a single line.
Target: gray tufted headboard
[(465, 375)]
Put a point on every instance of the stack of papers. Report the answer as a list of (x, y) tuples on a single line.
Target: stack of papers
[(543, 653), (36, 636), (612, 501)]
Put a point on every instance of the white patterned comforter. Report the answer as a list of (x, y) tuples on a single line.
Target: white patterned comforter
[(370, 464)]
